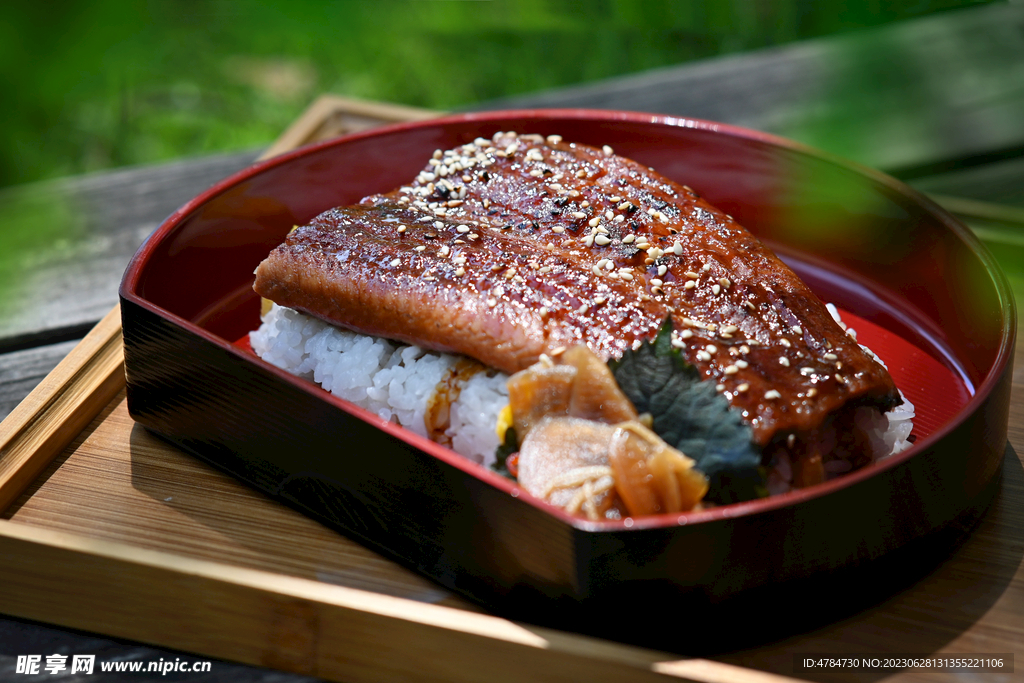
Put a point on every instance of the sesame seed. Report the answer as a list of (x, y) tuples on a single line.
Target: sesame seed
[(625, 275), (581, 173), (686, 334), (583, 308), (731, 369), (460, 271), (628, 239), (772, 394), (724, 281), (608, 151), (620, 219), (798, 329), (578, 214), (744, 349), (491, 303), (510, 273), (678, 343), (831, 356), (421, 248), (602, 240), (656, 282), (651, 212), (459, 260), (742, 388), (784, 361), (536, 173), (614, 276), (473, 236), (558, 229), (711, 348), (706, 267), (662, 217), (594, 221), (662, 270), (396, 262), (806, 371), (839, 365), (444, 250), (703, 356), (690, 284), (729, 329), (812, 392), (785, 342), (596, 270), (602, 263), (462, 228), (544, 269), (601, 229), (599, 300), (588, 240), (609, 265), (719, 388), (402, 228), (715, 289), (584, 203), (554, 139), (544, 311), (691, 274)]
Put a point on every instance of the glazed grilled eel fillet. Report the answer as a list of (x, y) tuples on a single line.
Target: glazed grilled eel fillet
[(509, 248)]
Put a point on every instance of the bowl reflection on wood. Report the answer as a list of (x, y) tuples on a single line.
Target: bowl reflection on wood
[(859, 238)]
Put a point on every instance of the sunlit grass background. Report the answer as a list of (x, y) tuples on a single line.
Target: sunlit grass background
[(95, 85)]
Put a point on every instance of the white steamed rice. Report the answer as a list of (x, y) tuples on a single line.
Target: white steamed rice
[(389, 379), (396, 382)]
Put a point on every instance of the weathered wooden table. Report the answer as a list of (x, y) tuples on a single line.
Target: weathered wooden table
[(950, 121)]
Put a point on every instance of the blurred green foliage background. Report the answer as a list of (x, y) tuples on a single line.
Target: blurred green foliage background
[(94, 85)]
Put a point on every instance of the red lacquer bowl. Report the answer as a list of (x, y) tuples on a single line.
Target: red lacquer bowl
[(916, 283)]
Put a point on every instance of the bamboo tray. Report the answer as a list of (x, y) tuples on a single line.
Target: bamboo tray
[(108, 529)]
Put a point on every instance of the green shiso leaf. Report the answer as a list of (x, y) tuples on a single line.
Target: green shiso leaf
[(692, 416), (506, 448)]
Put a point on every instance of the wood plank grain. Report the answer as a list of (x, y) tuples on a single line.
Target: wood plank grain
[(332, 115), (118, 482), (73, 284), (21, 371), (305, 626), (909, 97), (61, 406)]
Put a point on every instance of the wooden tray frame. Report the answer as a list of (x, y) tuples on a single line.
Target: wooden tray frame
[(261, 617)]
